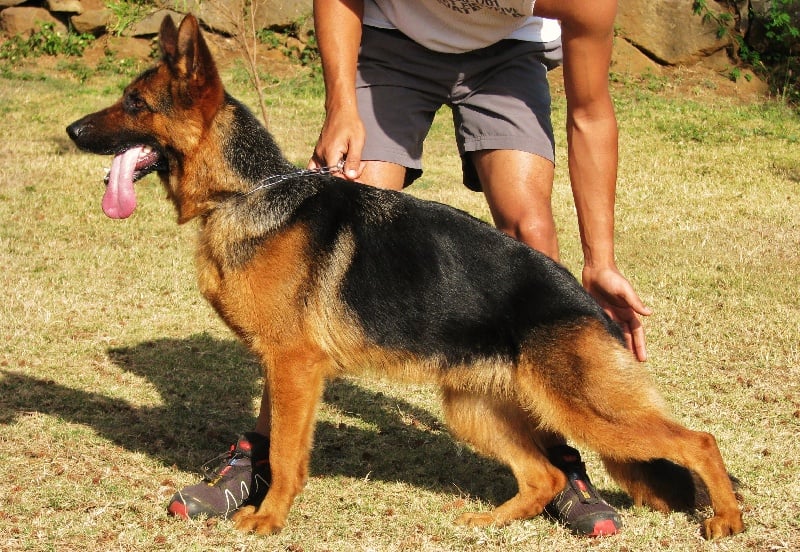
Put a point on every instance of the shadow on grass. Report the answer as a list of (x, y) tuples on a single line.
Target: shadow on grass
[(208, 386)]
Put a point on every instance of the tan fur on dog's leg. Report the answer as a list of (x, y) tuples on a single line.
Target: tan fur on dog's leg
[(591, 389), (295, 387), (506, 433)]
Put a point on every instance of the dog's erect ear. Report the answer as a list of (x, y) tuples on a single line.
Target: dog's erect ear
[(185, 51), (168, 40)]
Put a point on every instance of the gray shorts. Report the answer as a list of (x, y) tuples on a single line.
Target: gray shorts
[(499, 96)]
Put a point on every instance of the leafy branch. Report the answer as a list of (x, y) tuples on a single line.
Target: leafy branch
[(721, 19), (242, 15)]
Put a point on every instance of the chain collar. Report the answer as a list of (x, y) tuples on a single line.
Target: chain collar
[(278, 178)]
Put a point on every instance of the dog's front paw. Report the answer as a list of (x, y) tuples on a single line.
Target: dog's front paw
[(248, 519), (723, 526)]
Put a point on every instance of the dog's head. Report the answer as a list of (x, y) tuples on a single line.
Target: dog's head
[(160, 119)]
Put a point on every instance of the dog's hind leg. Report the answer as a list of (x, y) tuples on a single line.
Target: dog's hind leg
[(506, 433), (590, 388), (651, 480), (294, 383), (659, 484), (654, 480)]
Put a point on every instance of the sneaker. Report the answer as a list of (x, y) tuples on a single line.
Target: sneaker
[(240, 477), (579, 506)]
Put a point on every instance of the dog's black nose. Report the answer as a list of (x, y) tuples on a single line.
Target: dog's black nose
[(74, 130), (79, 130)]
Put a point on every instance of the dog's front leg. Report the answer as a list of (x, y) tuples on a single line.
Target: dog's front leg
[(294, 383)]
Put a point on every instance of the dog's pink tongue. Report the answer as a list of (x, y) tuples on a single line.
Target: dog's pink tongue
[(119, 201)]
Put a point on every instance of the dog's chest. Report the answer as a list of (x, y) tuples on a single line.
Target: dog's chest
[(262, 293)]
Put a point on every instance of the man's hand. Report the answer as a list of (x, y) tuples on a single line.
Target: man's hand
[(342, 137), (338, 29), (616, 295)]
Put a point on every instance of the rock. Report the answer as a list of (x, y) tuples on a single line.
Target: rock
[(93, 4), (628, 60), (669, 31), (220, 17), (128, 47), (151, 23), (718, 62), (10, 3), (743, 11), (92, 21), (24, 20), (65, 6), (293, 43), (282, 13)]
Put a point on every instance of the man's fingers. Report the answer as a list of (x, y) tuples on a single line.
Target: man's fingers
[(637, 305), (632, 330), (637, 344), (352, 169), (314, 162)]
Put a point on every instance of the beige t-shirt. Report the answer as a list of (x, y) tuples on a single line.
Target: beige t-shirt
[(455, 26)]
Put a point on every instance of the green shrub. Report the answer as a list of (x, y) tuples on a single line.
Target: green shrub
[(777, 59), (45, 41), (127, 13), (781, 56)]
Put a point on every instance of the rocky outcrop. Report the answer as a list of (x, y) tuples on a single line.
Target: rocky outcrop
[(669, 31), (218, 16), (92, 16), (94, 22), (21, 20), (650, 34)]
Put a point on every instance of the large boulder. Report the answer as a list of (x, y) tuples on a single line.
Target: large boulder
[(151, 23), (94, 21), (65, 6), (223, 17), (23, 20), (626, 59), (669, 31), (282, 13)]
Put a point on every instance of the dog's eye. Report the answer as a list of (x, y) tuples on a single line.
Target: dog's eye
[(134, 103)]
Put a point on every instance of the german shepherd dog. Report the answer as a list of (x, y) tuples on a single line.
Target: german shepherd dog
[(320, 276)]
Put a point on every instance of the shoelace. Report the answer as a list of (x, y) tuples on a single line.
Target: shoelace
[(220, 463), (583, 487)]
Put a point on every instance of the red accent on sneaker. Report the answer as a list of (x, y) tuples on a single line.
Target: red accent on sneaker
[(178, 509), (603, 528)]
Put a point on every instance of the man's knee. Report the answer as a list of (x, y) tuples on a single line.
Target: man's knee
[(382, 174), (537, 232)]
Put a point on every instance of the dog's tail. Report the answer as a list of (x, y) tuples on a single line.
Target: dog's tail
[(659, 484)]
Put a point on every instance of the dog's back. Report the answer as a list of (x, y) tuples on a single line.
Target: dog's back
[(429, 279)]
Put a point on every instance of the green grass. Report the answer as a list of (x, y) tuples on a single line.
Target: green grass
[(118, 381)]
